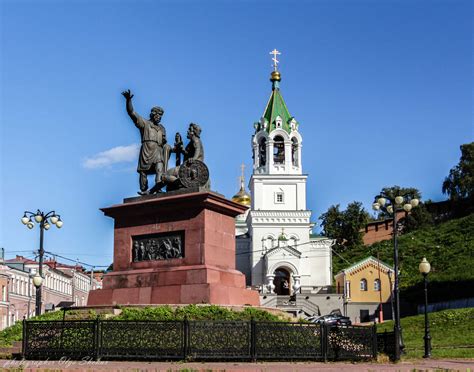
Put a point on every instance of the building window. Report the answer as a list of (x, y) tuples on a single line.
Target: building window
[(377, 285), (278, 150), (262, 152), (279, 197), (363, 285)]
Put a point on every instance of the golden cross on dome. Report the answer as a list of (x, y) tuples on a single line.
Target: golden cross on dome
[(274, 59)]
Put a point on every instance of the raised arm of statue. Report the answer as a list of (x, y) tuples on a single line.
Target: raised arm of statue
[(133, 115)]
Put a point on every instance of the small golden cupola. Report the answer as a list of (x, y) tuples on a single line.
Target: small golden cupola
[(242, 197)]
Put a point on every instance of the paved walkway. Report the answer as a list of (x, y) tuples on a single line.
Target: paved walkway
[(83, 366)]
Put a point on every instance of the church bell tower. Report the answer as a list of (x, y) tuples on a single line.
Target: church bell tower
[(279, 222)]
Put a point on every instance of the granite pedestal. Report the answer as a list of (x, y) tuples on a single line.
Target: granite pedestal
[(206, 271)]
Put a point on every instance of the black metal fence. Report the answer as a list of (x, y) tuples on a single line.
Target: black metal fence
[(386, 343), (196, 340)]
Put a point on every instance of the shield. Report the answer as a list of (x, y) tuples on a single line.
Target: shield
[(193, 173)]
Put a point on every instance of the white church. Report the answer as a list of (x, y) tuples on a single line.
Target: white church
[(275, 247)]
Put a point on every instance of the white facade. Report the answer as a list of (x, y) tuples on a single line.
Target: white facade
[(276, 248)]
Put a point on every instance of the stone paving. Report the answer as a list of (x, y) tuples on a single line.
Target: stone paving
[(465, 365)]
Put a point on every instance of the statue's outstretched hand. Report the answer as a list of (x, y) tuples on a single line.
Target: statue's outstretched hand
[(127, 94)]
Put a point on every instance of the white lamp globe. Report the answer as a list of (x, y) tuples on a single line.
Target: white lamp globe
[(38, 218), (390, 209), (407, 207), (376, 206), (414, 202), (59, 223), (47, 226), (399, 200), (25, 220), (381, 201), (37, 280), (30, 225), (424, 266), (54, 219)]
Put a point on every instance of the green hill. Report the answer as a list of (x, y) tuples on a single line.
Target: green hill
[(445, 328), (448, 246)]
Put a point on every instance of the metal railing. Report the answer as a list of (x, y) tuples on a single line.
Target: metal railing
[(196, 340)]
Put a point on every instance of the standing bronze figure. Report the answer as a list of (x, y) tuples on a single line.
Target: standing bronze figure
[(154, 149), (190, 171)]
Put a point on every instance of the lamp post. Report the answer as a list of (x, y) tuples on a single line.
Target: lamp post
[(44, 220), (425, 268), (392, 207)]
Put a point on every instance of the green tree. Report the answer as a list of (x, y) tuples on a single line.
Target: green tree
[(345, 226), (418, 218), (460, 182), (332, 224)]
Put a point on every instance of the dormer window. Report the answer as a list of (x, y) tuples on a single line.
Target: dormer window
[(278, 122), (292, 123)]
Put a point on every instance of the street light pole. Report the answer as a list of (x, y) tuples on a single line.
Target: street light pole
[(393, 207), (40, 269), (396, 290), (44, 220), (425, 268)]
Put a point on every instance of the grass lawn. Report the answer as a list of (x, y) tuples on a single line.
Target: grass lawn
[(452, 334)]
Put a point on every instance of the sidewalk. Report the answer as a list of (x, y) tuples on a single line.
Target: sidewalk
[(92, 366)]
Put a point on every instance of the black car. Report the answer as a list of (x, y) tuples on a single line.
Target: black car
[(332, 320)]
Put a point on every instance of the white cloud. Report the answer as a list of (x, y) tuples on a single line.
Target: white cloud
[(119, 154)]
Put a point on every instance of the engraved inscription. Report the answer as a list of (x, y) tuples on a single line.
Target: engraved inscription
[(158, 247)]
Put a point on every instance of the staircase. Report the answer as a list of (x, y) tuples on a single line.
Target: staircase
[(300, 306)]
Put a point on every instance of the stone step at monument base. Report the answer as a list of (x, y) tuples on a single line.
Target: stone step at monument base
[(195, 284)]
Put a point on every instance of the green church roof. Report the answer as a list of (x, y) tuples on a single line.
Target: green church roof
[(275, 108)]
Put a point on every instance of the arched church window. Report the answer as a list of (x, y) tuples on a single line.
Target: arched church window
[(278, 150), (294, 151), (377, 285), (363, 284), (262, 152)]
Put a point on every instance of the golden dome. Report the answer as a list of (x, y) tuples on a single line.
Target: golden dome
[(275, 76), (242, 197)]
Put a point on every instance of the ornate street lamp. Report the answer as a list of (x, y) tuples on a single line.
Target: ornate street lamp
[(44, 220), (392, 207), (425, 268)]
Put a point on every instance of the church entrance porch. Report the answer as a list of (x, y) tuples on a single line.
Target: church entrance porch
[(282, 281)]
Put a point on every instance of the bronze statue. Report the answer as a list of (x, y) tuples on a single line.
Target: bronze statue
[(153, 158), (191, 172)]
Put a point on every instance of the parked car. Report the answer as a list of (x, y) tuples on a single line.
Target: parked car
[(331, 319)]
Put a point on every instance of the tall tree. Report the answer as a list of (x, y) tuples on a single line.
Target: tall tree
[(345, 226), (460, 182), (331, 223)]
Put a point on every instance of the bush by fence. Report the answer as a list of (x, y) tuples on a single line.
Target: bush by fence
[(196, 340)]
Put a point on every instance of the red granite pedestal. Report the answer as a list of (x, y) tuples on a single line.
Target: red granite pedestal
[(206, 273)]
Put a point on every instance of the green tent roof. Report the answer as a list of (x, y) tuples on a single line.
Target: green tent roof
[(276, 107)]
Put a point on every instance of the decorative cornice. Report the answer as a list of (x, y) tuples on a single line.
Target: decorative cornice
[(275, 217), (281, 214)]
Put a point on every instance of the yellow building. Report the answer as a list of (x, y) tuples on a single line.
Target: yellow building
[(366, 285)]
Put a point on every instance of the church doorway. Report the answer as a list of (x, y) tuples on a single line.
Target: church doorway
[(282, 282)]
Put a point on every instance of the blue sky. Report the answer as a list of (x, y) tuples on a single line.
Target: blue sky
[(382, 91)]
